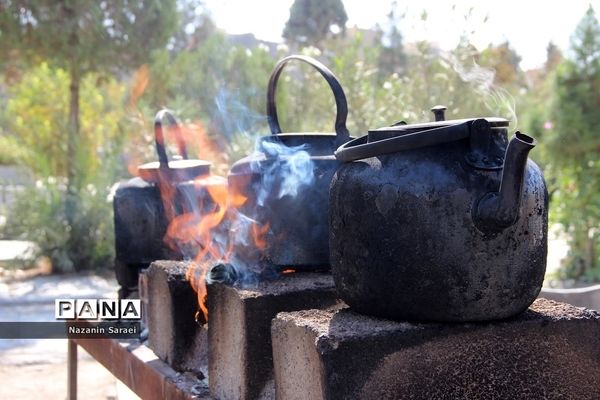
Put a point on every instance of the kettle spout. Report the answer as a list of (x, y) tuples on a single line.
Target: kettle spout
[(499, 210)]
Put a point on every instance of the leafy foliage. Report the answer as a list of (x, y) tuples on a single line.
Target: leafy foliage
[(311, 21), (392, 58), (505, 62), (33, 114), (38, 215), (86, 35), (219, 88), (34, 118), (573, 146), (82, 37)]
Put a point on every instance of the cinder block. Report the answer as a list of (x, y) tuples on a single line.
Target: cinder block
[(551, 351), (173, 333), (239, 330), (588, 297), (143, 295)]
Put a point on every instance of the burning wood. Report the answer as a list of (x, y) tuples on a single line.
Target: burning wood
[(222, 273)]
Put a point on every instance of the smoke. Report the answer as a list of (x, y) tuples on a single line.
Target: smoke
[(290, 170), (234, 118), (496, 99), (228, 236)]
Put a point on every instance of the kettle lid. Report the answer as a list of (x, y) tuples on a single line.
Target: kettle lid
[(402, 128), (402, 136), (174, 171), (180, 168)]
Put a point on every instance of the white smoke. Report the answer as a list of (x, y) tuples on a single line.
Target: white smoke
[(288, 170), (496, 99)]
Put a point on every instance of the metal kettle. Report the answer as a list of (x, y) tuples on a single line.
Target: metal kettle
[(285, 183), (144, 206), (441, 221)]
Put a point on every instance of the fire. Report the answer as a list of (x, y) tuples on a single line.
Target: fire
[(140, 80), (258, 235), (204, 228), (204, 146), (196, 230), (167, 193)]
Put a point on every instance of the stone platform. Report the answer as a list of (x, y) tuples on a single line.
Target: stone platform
[(551, 351), (171, 306), (239, 330)]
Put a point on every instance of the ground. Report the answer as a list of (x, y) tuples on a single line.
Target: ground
[(38, 368), (49, 380)]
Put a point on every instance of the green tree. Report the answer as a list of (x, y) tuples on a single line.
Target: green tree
[(32, 115), (35, 111), (505, 61), (313, 21), (574, 147), (84, 36), (392, 57), (553, 57), (195, 25)]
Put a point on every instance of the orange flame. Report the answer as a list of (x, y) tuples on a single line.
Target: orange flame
[(201, 228), (204, 227), (258, 235), (140, 81), (139, 141), (197, 228)]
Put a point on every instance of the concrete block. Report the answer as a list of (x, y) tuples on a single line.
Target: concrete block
[(173, 333), (588, 297), (551, 351), (239, 330), (143, 295)]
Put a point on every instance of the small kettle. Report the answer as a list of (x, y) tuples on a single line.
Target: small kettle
[(144, 206), (440, 221), (285, 183)]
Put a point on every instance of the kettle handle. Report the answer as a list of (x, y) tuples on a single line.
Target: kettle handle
[(360, 148), (159, 137), (338, 92)]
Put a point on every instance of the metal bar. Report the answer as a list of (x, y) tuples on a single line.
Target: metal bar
[(72, 370), (138, 367)]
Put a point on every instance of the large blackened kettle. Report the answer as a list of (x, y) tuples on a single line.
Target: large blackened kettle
[(284, 185), (146, 205), (442, 221)]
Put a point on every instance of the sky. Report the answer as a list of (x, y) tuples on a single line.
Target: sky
[(527, 24)]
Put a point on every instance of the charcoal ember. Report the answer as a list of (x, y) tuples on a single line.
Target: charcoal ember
[(224, 273)]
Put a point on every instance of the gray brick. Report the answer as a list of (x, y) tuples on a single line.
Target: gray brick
[(239, 330), (171, 305), (551, 351)]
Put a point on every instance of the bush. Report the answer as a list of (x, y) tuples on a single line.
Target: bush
[(38, 215), (32, 134)]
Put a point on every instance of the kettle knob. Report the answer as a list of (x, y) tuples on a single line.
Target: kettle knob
[(439, 112)]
